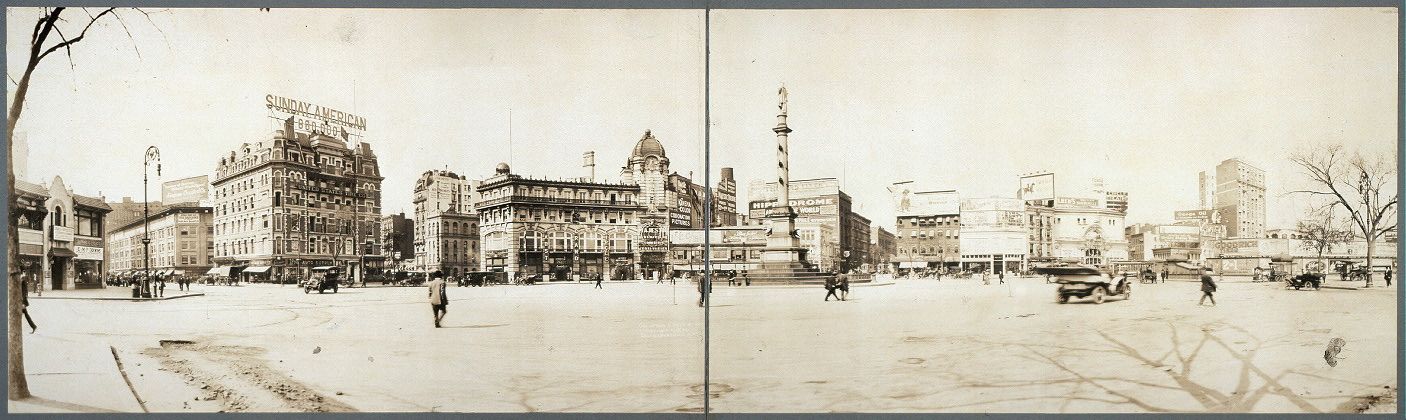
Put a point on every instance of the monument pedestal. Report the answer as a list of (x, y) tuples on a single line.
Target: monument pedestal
[(783, 259)]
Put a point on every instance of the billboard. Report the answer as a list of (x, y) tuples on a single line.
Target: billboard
[(189, 190), (1037, 187), (313, 118), (802, 206), (908, 202), (1078, 203)]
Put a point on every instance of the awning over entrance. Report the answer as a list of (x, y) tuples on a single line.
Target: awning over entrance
[(258, 269), (219, 271), (912, 264), (62, 252)]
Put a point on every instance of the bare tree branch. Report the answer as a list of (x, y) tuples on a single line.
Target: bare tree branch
[(75, 40)]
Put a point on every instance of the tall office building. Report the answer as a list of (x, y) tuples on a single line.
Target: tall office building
[(1240, 198)]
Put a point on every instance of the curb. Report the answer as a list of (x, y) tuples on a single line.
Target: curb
[(118, 298), (799, 286)]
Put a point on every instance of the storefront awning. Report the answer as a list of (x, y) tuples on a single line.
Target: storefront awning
[(218, 271), (62, 252), (258, 269), (912, 264)]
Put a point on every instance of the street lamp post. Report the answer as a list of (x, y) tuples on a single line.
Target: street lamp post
[(152, 155)]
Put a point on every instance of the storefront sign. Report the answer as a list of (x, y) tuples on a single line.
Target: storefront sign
[(62, 233), (188, 218), (308, 117), (88, 253), (1240, 246), (821, 206)]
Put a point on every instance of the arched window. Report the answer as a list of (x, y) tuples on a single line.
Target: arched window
[(57, 219)]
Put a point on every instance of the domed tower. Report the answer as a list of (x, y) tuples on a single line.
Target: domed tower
[(648, 167)]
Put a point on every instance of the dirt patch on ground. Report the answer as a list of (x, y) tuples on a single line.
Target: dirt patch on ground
[(238, 379), (1385, 402)]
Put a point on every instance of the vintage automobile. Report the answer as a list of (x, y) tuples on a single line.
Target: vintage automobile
[(322, 278), (1087, 282), (1303, 280)]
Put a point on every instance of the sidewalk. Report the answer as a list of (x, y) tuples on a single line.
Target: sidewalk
[(110, 293), (72, 377)]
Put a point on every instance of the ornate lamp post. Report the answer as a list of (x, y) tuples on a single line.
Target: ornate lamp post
[(152, 155)]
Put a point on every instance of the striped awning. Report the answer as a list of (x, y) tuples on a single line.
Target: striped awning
[(258, 269)]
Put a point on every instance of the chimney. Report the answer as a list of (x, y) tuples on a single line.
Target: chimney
[(288, 129)]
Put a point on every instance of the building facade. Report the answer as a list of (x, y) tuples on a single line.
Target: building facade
[(565, 230), (1177, 242), (446, 223), (883, 246), (825, 223), (733, 248), (398, 241), (1076, 230), (61, 235), (1240, 198), (993, 234), (182, 239), (296, 201), (928, 228)]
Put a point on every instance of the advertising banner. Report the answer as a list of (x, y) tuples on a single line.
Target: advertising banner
[(1074, 202), (819, 206), (187, 218)]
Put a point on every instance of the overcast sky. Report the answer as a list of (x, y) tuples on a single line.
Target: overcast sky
[(951, 99), (434, 86)]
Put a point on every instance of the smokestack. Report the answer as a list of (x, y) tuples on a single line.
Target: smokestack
[(588, 161)]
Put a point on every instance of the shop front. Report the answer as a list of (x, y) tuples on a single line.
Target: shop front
[(559, 267), (87, 267)]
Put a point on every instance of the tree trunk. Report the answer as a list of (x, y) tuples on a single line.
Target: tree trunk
[(19, 386), (1371, 246)]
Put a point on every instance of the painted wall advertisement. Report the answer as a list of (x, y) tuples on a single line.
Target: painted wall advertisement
[(187, 218), (802, 206), (1076, 203)]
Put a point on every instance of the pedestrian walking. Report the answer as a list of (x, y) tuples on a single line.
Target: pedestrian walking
[(702, 290), (599, 279), (1001, 276), (1164, 275), (844, 286), (984, 277), (439, 298), (831, 286), (1387, 277), (160, 286), (24, 300), (732, 279), (746, 281), (1208, 288)]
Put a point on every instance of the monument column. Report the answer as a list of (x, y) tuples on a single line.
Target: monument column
[(782, 244)]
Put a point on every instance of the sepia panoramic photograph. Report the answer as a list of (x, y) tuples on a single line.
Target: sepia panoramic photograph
[(696, 211)]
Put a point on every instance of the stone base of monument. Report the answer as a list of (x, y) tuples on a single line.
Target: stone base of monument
[(791, 273)]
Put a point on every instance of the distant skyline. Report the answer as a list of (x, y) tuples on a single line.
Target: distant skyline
[(950, 99)]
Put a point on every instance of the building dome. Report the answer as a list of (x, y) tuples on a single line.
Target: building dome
[(648, 146), (502, 168)]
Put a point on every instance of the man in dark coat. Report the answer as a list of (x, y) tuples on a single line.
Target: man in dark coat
[(24, 302), (1208, 288), (844, 286), (831, 286)]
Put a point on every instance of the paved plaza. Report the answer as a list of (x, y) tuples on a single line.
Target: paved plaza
[(909, 345)]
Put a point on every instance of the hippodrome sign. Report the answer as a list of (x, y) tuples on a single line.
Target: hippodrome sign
[(309, 117)]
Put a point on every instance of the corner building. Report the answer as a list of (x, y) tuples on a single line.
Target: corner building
[(296, 201), (446, 224), (563, 230)]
